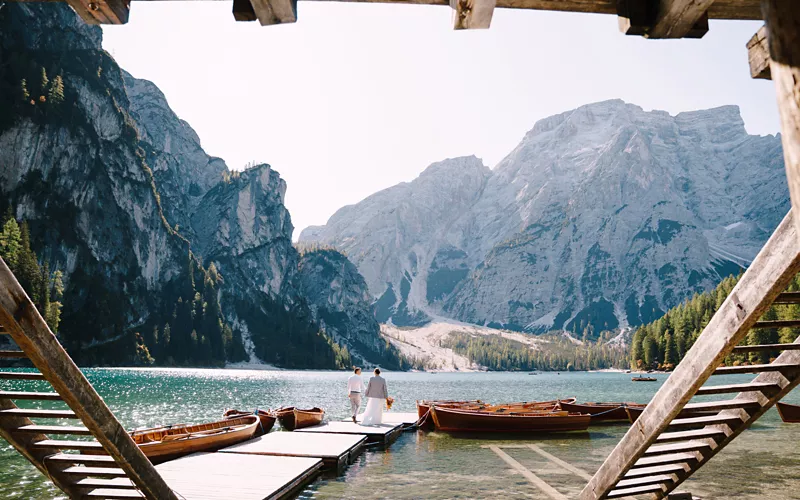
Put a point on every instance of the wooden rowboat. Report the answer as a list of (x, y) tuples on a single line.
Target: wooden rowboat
[(292, 418), (644, 379), (457, 420), (161, 444), (602, 412), (426, 421), (789, 413), (266, 419)]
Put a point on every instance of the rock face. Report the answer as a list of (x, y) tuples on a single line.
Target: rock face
[(122, 198), (602, 217)]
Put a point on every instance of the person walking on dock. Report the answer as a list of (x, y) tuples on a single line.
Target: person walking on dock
[(355, 386), (377, 394)]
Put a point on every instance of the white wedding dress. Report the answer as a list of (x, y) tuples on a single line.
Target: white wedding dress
[(373, 414)]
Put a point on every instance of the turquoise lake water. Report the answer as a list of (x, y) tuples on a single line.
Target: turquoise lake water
[(763, 463)]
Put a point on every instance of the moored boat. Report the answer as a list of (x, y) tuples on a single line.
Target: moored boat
[(292, 418), (603, 412), (161, 444), (459, 420), (644, 379), (266, 419), (789, 413)]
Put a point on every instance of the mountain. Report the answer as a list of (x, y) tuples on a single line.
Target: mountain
[(160, 245), (601, 217)]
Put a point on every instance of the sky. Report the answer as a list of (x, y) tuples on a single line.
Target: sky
[(354, 98)]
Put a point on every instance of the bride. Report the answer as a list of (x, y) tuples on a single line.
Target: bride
[(376, 394)]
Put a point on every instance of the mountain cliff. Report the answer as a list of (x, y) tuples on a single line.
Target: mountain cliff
[(158, 242), (602, 217)]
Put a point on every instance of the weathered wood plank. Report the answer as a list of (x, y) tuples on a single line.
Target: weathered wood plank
[(33, 413), (680, 18), (737, 388), (769, 274), (21, 376), (783, 25), (785, 323), (275, 11), (55, 429), (243, 10), (102, 11), (758, 57), (767, 347), (708, 433), (30, 332), (785, 297), (472, 14), (771, 367)]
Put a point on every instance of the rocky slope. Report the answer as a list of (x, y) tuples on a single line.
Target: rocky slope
[(152, 234), (602, 217)]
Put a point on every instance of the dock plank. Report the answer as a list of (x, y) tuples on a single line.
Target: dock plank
[(335, 450), (407, 420), (384, 434), (211, 476)]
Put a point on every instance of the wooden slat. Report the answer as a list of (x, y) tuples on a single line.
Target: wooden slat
[(275, 11), (758, 57), (87, 460), (787, 323), (55, 429), (657, 469), (771, 367), (675, 458), (21, 376), (472, 14), (35, 396), (31, 333), (13, 355), (24, 412), (694, 422), (119, 483), (639, 490), (679, 18), (108, 494), (737, 388), (785, 297), (729, 404), (67, 444), (766, 347), (667, 449), (102, 11), (646, 480), (79, 471), (710, 433), (768, 275)]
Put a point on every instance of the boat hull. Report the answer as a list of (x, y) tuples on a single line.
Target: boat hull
[(456, 420), (294, 418), (602, 412), (168, 443), (266, 419), (789, 413)]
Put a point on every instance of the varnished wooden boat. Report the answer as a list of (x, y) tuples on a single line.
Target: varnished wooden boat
[(602, 412), (161, 444), (426, 421), (266, 419), (644, 379), (458, 420), (292, 418), (789, 413)]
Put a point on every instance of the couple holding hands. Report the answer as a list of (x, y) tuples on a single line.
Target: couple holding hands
[(376, 392)]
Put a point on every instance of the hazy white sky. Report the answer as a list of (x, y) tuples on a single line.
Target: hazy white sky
[(355, 98)]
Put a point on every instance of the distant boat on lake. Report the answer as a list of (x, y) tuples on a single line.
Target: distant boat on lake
[(644, 379)]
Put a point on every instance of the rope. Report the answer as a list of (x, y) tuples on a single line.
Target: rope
[(424, 417), (608, 411)]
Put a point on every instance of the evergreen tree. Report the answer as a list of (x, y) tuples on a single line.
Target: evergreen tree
[(10, 242), (56, 93)]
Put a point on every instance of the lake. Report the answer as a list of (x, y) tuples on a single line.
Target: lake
[(762, 463)]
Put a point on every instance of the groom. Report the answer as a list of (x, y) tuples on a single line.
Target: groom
[(355, 386)]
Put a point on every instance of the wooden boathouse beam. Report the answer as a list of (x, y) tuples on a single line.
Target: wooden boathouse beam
[(664, 18), (472, 14), (783, 26), (28, 329), (758, 55), (102, 11), (270, 12), (769, 274)]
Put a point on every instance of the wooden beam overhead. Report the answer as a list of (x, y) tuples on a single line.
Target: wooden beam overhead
[(274, 11), (243, 10), (664, 18), (472, 14), (102, 11), (783, 25), (758, 55)]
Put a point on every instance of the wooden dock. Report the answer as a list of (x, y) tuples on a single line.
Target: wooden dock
[(384, 434), (336, 451), (407, 420), (212, 476)]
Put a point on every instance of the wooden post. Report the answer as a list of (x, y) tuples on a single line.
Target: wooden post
[(243, 10), (472, 14), (758, 55), (275, 11), (783, 25), (102, 11), (28, 329), (769, 274)]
